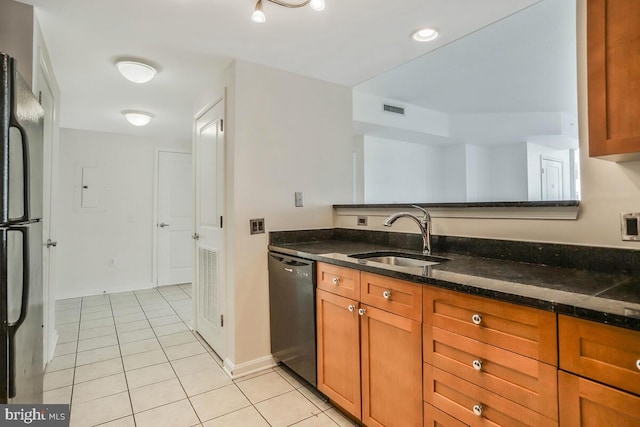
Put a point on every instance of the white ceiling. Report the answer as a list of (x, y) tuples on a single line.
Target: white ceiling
[(523, 63), (193, 40)]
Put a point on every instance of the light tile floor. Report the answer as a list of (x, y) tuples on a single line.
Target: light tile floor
[(129, 359)]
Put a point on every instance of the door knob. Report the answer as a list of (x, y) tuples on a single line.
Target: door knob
[(51, 243), (163, 225)]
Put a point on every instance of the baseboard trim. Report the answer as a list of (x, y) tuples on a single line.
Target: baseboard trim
[(248, 368), (62, 294)]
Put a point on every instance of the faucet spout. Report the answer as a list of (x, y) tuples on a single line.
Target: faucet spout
[(424, 224)]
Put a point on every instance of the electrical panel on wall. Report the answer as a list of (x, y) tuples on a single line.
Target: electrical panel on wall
[(88, 188)]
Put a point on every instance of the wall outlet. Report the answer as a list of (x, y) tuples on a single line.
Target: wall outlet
[(256, 226), (299, 203), (630, 226), (362, 221)]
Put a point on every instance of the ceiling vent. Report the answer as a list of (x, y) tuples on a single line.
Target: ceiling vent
[(393, 109)]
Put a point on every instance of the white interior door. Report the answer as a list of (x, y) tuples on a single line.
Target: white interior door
[(175, 218), (208, 152), (50, 172), (552, 178)]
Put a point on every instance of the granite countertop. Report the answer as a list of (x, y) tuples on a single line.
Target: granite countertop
[(603, 297)]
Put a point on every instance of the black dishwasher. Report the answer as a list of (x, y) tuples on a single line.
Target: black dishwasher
[(292, 308)]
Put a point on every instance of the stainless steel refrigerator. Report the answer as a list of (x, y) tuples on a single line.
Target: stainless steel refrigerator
[(21, 305)]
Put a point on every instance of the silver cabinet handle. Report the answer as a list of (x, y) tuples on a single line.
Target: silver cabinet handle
[(351, 307), (361, 311), (477, 365), (195, 236), (478, 410), (386, 294), (51, 243), (163, 225), (336, 280), (638, 363), (476, 318)]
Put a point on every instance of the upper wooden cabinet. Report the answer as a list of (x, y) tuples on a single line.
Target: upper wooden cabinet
[(613, 55)]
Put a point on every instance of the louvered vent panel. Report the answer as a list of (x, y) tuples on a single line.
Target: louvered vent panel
[(208, 286)]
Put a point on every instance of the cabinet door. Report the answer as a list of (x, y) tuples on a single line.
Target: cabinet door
[(602, 352), (584, 403), (339, 350), (391, 370), (613, 42)]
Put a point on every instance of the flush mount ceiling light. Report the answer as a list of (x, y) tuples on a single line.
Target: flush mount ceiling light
[(138, 118), (259, 17), (136, 71), (425, 35)]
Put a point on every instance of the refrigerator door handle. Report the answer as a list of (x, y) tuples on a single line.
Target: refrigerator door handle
[(12, 328), (24, 303), (25, 169)]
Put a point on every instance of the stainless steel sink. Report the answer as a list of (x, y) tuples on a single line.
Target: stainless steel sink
[(401, 259)]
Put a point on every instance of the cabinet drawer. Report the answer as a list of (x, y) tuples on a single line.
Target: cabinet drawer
[(396, 296), (436, 418), (602, 352), (460, 398), (586, 403), (339, 280), (526, 381), (519, 329)]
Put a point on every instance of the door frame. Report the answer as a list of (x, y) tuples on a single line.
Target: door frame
[(156, 198), (229, 321), (50, 157), (542, 176)]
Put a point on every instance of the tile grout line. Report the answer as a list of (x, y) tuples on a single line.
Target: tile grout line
[(124, 372), (165, 354)]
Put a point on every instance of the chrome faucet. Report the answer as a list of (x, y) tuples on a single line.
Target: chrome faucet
[(424, 224)]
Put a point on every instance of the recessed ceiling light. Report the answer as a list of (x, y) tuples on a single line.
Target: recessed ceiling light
[(317, 5), (136, 71), (425, 35), (138, 118)]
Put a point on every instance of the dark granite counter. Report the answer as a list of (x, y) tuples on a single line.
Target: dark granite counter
[(600, 296)]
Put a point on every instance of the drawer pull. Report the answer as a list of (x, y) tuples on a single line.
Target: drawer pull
[(361, 311), (336, 280), (386, 294), (351, 307), (478, 410), (477, 365), (638, 363), (476, 318)]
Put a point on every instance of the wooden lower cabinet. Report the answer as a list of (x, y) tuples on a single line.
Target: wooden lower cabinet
[(436, 418), (391, 369), (584, 403), (369, 363), (338, 331)]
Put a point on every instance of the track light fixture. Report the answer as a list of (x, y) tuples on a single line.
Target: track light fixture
[(259, 17)]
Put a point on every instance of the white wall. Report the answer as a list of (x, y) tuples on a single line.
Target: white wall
[(478, 173), (123, 228), (508, 170), (284, 133), (16, 35), (454, 173), (400, 172)]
